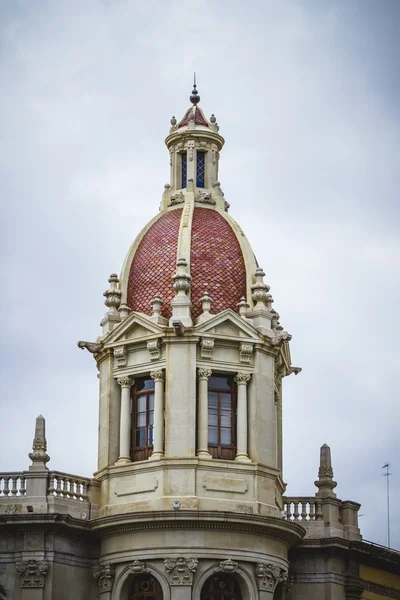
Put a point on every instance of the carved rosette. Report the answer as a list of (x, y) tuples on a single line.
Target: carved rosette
[(138, 567), (204, 373), (227, 566), (242, 378), (181, 570), (104, 574), (125, 381), (269, 575), (206, 348), (33, 573), (157, 375)]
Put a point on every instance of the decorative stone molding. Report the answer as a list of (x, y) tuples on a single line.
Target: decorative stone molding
[(181, 279), (138, 567), (206, 302), (157, 375), (243, 307), (246, 350), (190, 148), (154, 348), (269, 575), (260, 289), (113, 294), (33, 573), (181, 570), (156, 305), (206, 347), (227, 566), (226, 206), (178, 198), (205, 198), (204, 373), (105, 574), (215, 153), (125, 381), (124, 311), (121, 356), (242, 378)]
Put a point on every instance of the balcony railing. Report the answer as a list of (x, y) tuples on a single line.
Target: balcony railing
[(12, 485), (302, 509)]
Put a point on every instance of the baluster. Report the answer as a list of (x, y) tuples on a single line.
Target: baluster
[(65, 487), (303, 510), (319, 514), (1, 486), (74, 489), (6, 489), (286, 510), (51, 489), (312, 510), (84, 495), (59, 486), (296, 513), (22, 488)]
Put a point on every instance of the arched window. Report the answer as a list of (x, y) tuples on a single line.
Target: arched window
[(200, 168), (142, 431), (145, 587), (221, 587), (222, 417), (184, 169)]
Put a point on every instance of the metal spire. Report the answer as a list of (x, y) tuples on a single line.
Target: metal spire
[(194, 98)]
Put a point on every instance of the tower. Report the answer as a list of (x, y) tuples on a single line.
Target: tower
[(191, 363)]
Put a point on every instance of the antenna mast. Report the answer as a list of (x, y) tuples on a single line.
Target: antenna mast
[(387, 475)]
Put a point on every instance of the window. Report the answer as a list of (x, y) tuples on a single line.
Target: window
[(221, 587), (184, 169), (200, 170), (145, 587), (222, 417), (142, 419)]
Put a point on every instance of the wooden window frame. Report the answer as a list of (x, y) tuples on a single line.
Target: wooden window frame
[(212, 589), (152, 593), (223, 451), (141, 452)]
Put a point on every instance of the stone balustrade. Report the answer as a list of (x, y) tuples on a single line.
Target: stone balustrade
[(64, 485), (299, 508), (12, 485)]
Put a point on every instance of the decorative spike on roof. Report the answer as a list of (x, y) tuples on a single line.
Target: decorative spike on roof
[(194, 98)]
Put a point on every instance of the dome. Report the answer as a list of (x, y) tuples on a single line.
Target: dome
[(216, 261)]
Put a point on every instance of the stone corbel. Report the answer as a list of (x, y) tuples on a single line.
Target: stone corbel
[(121, 356), (269, 575), (138, 567), (181, 570), (206, 347), (104, 574), (245, 353), (154, 348), (33, 573), (227, 566)]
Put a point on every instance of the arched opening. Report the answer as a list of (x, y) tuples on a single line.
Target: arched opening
[(145, 587), (221, 587)]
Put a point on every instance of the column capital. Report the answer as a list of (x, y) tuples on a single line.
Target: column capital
[(242, 378), (157, 375), (33, 573), (104, 574), (269, 575), (204, 373), (126, 381)]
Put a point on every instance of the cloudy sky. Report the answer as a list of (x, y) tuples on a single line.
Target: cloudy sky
[(307, 97)]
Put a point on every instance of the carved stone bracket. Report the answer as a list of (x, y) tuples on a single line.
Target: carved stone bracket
[(177, 198), (92, 347), (154, 348), (181, 570), (269, 575), (206, 347), (33, 573), (105, 574), (138, 567), (121, 356), (227, 566), (205, 198), (246, 350)]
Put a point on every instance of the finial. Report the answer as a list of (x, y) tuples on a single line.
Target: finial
[(156, 304), (260, 290), (173, 121), (206, 301), (38, 456), (213, 120), (325, 483), (243, 307), (124, 311), (194, 98), (113, 294)]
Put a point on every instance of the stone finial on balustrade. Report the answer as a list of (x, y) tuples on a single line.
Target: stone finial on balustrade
[(325, 482), (38, 456), (112, 301), (181, 305)]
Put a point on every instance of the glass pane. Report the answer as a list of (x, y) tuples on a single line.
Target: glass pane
[(141, 437), (141, 420), (151, 402), (151, 435), (200, 169), (184, 169), (226, 401), (226, 419), (212, 400), (212, 435), (141, 404), (220, 382), (226, 436), (151, 417), (144, 383), (213, 418)]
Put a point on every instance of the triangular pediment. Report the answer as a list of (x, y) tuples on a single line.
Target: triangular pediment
[(229, 325), (134, 328)]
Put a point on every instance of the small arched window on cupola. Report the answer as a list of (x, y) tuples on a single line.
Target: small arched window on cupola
[(184, 169), (200, 168)]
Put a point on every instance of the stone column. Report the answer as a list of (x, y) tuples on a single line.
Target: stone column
[(125, 420), (158, 446), (202, 416), (242, 380)]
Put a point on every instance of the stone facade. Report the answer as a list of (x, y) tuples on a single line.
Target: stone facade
[(187, 502)]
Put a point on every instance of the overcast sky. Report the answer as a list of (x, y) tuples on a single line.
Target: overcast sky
[(307, 97)]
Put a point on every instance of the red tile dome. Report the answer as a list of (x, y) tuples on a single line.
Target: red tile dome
[(216, 263)]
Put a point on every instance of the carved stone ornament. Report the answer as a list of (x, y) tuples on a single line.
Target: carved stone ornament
[(120, 356), (227, 566), (181, 279), (113, 294), (215, 154), (246, 350), (178, 198), (181, 570), (105, 575), (91, 347), (125, 381), (242, 378), (33, 573), (157, 375), (269, 575), (138, 567), (154, 348), (206, 347), (260, 289), (205, 198), (190, 149), (226, 206), (204, 373)]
